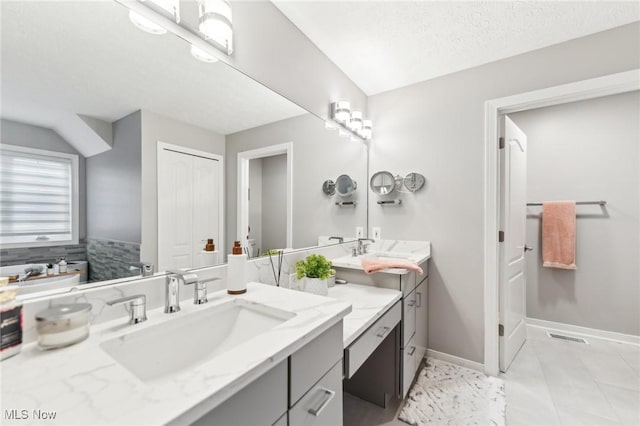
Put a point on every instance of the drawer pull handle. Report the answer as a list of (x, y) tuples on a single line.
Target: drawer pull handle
[(384, 332), (419, 295), (329, 394), (411, 351), (411, 303)]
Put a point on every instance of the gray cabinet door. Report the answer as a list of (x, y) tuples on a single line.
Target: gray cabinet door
[(422, 320)]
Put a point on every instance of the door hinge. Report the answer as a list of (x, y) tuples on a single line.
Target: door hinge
[(501, 236), (501, 143), (500, 330)]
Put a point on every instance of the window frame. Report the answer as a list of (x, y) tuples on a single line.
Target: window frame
[(75, 196)]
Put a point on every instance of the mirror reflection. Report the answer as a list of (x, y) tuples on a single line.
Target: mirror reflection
[(120, 151)]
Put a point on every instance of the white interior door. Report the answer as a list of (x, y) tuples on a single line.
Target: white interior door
[(206, 193), (513, 302), (189, 205), (175, 202)]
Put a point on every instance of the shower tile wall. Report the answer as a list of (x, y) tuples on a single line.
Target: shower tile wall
[(110, 259), (19, 256)]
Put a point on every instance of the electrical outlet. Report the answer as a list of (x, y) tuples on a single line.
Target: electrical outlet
[(359, 232), (376, 233)]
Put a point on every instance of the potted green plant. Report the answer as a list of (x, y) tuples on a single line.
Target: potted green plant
[(314, 273)]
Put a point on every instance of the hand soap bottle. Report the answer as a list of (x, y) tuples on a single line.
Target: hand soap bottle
[(236, 270)]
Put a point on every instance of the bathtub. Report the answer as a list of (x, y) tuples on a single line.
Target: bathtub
[(51, 282)]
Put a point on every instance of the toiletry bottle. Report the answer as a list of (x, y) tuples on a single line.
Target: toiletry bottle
[(62, 266), (10, 322), (210, 246), (236, 270)]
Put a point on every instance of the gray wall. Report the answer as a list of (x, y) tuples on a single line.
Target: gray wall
[(27, 135), (437, 128), (274, 202), (272, 50), (255, 201), (587, 151), (113, 185), (318, 154), (156, 128)]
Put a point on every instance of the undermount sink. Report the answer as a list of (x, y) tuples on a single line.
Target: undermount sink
[(191, 340)]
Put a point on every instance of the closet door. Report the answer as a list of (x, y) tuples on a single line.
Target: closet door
[(206, 203), (175, 210)]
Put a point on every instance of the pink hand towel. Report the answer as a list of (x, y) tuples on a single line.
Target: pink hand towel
[(559, 234), (373, 265)]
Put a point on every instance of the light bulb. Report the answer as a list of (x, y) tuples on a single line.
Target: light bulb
[(366, 130), (215, 22)]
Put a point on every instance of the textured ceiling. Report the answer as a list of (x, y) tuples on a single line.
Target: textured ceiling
[(385, 45), (63, 58)]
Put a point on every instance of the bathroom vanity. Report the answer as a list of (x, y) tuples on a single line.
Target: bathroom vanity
[(167, 371), (411, 310)]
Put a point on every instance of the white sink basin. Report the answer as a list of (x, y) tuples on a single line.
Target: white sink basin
[(186, 342)]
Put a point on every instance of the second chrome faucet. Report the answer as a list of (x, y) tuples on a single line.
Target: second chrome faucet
[(172, 293)]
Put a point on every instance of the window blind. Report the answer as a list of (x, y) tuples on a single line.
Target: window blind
[(36, 196)]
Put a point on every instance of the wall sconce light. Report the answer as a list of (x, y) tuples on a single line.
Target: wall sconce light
[(366, 131), (350, 123), (341, 111), (355, 123), (169, 7), (215, 23)]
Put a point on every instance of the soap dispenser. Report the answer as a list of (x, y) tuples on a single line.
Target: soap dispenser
[(62, 265), (236, 270)]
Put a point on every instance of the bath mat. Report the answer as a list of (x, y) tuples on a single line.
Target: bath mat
[(446, 394)]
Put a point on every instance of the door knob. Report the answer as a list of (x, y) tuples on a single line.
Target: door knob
[(527, 248)]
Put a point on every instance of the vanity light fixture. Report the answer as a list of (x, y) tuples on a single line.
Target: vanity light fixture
[(169, 7), (349, 123), (215, 23)]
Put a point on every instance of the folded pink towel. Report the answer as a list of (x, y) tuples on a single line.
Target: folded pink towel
[(372, 265), (559, 234)]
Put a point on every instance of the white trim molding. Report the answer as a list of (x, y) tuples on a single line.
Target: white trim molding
[(584, 331), (452, 359), (243, 186), (582, 90)]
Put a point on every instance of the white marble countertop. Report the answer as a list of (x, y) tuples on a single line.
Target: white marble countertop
[(368, 303), (416, 251), (83, 385)]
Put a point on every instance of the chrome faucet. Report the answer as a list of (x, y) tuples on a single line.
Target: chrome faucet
[(137, 307), (340, 239), (363, 248), (146, 269), (172, 293), (200, 290)]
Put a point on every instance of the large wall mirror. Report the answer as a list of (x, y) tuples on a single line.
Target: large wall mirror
[(120, 148)]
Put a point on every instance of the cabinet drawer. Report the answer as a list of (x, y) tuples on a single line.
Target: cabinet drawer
[(408, 317), (311, 362), (322, 405), (267, 397), (359, 351), (409, 366)]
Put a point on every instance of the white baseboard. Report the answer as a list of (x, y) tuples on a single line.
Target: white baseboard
[(584, 331), (462, 362)]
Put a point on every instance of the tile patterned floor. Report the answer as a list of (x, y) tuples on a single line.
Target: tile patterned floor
[(555, 382), (551, 382)]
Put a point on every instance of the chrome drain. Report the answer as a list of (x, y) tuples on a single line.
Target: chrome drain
[(569, 338)]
